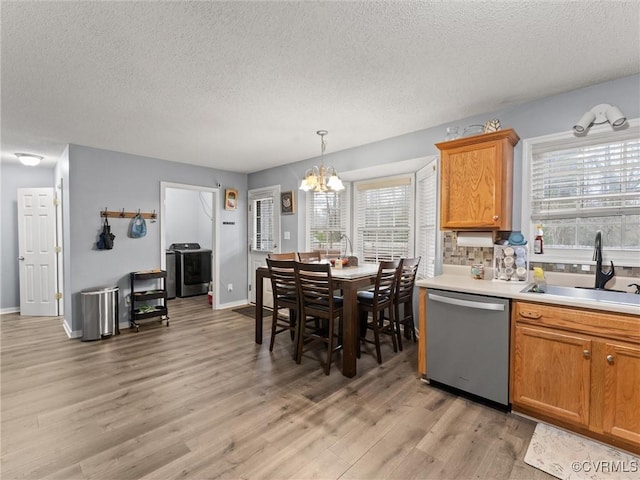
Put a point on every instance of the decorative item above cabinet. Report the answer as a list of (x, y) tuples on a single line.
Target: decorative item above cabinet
[(476, 181)]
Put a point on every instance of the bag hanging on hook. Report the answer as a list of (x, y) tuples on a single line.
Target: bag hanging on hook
[(105, 242), (138, 227)]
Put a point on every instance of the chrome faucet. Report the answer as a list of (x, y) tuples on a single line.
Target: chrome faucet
[(602, 277)]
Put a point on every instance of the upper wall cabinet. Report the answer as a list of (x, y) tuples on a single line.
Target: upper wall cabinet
[(476, 181)]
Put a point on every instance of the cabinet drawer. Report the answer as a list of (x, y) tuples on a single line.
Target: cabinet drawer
[(616, 326)]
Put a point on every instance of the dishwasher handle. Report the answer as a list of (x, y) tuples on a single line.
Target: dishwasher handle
[(467, 303)]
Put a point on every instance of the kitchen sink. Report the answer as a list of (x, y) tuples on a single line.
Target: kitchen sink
[(588, 294)]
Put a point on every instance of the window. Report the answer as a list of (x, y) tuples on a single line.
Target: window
[(384, 219), (327, 219), (577, 186), (428, 235), (263, 224)]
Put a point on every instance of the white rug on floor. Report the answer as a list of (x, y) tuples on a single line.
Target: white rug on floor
[(572, 457)]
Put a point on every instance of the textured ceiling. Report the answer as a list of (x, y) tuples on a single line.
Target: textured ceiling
[(243, 86)]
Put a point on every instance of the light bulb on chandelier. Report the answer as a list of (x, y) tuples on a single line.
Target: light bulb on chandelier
[(321, 178)]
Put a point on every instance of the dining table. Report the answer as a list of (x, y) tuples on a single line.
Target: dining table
[(349, 280)]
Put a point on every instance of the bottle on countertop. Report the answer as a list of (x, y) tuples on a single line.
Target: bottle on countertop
[(538, 242), (539, 282)]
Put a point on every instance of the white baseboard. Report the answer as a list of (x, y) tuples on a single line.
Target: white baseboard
[(9, 310), (239, 303), (70, 333)]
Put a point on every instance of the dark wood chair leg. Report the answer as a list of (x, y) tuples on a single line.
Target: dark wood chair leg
[(274, 322)]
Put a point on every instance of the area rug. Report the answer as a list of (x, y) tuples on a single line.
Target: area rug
[(572, 457), (250, 311)]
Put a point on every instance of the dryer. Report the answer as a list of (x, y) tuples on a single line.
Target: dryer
[(193, 269)]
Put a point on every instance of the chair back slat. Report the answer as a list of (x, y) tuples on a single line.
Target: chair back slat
[(315, 287), (283, 256), (407, 278), (386, 282), (308, 257), (283, 277)]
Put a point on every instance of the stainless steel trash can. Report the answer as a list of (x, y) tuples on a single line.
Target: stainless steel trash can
[(99, 313)]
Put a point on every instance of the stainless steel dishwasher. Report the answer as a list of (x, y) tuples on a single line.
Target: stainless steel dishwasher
[(468, 343)]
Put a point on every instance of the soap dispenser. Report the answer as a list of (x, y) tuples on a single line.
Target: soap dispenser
[(539, 282)]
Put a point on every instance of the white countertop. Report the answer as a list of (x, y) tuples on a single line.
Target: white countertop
[(458, 279)]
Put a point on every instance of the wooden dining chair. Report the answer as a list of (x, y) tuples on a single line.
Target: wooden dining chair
[(283, 256), (328, 254), (317, 300), (375, 302), (309, 257), (285, 296), (404, 298)]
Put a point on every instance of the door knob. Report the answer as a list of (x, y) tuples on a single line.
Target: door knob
[(20, 258)]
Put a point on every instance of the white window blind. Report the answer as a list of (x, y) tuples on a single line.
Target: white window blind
[(384, 213), (263, 224), (579, 190), (327, 217), (427, 218)]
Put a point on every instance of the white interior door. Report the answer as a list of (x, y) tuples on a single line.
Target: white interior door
[(264, 235), (37, 251)]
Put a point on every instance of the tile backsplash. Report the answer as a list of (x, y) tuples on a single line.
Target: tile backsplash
[(454, 255)]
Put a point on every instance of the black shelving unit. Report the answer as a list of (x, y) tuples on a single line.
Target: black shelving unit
[(140, 308)]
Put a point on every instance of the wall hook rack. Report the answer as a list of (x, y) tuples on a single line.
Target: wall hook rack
[(122, 214)]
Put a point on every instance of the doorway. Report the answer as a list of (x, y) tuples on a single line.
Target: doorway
[(189, 213)]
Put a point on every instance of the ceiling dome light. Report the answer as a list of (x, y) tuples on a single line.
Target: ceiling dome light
[(29, 159)]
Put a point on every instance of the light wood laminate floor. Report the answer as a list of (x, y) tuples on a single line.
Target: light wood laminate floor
[(199, 399)]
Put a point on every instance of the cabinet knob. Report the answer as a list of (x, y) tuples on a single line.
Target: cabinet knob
[(610, 359), (586, 353), (496, 217)]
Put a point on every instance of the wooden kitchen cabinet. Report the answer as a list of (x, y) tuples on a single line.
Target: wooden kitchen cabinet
[(579, 369), (476, 181), (552, 373), (621, 402)]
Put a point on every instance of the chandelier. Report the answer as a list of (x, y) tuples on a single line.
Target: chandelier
[(321, 178)]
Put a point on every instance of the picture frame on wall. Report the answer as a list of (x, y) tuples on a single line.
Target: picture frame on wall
[(231, 199), (287, 203)]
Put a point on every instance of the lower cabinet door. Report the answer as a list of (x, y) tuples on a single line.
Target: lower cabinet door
[(552, 373), (621, 416)]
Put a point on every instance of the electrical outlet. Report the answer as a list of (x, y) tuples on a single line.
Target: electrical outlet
[(585, 268), (230, 287), (287, 235)]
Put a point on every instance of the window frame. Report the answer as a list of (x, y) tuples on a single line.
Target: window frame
[(560, 141), (429, 266), (308, 214), (385, 182)]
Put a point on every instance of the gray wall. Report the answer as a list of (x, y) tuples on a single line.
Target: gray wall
[(550, 115), (13, 177), (101, 178)]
